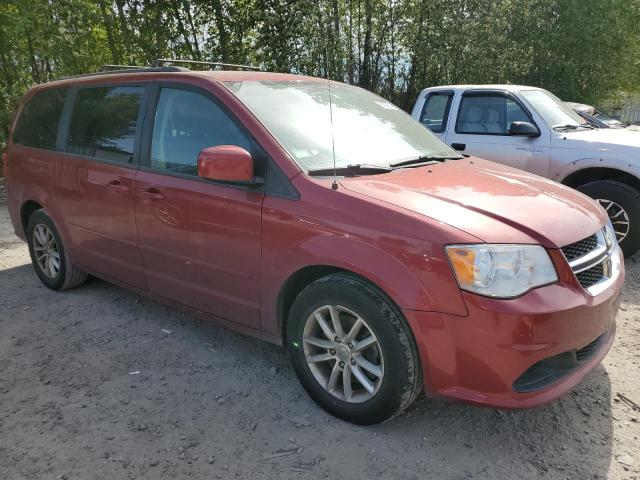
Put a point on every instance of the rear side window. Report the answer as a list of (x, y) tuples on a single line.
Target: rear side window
[(39, 119), (186, 123), (436, 111), (104, 122)]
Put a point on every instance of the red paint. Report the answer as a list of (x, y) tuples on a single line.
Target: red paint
[(227, 252), (225, 163)]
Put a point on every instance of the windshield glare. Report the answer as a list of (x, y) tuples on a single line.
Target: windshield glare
[(366, 128), (552, 109)]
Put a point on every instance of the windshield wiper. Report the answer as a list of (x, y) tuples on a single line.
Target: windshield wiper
[(424, 160), (353, 170), (571, 126)]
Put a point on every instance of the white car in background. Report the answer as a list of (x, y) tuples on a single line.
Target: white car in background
[(531, 129), (599, 119)]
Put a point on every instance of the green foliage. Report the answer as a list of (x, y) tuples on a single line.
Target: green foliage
[(582, 50)]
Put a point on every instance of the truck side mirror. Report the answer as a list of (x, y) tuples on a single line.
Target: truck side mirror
[(524, 129)]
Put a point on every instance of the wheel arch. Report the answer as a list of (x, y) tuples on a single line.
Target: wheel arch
[(303, 277), (26, 210), (590, 174)]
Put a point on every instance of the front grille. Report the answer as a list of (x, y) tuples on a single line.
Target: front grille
[(592, 261), (591, 276), (549, 370), (581, 248)]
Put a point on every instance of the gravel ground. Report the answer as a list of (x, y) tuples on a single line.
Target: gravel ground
[(98, 383)]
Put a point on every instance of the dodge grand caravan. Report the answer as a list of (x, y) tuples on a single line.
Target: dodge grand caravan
[(319, 216)]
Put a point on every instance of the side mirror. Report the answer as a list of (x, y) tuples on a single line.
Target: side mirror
[(524, 129), (226, 163)]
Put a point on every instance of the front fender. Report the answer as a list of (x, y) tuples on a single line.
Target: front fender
[(561, 170), (413, 273)]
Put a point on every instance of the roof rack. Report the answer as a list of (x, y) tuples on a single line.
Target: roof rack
[(159, 61), (115, 69), (158, 67)]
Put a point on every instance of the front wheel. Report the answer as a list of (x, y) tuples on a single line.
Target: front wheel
[(622, 204), (352, 350)]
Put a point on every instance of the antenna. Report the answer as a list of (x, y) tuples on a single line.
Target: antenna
[(334, 185)]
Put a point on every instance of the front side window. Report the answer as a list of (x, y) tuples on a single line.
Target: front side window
[(489, 114), (185, 123), (39, 119), (436, 111), (104, 122), (313, 121)]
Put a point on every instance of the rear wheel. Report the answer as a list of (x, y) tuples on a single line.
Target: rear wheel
[(622, 204), (48, 255), (352, 350)]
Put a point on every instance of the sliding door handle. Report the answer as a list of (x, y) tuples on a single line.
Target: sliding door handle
[(151, 193)]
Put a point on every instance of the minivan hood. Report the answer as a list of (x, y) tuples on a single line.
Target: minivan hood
[(492, 202)]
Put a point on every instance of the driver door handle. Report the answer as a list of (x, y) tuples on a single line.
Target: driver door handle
[(459, 146)]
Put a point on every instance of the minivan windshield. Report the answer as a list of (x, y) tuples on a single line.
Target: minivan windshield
[(553, 110), (366, 129)]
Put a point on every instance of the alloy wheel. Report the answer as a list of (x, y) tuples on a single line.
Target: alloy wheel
[(343, 353), (46, 251), (618, 216)]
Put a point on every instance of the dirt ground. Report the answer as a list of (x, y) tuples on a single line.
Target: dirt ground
[(98, 383)]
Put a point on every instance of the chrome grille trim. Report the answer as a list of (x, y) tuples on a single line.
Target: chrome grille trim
[(603, 257)]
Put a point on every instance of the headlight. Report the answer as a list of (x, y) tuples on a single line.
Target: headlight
[(502, 271)]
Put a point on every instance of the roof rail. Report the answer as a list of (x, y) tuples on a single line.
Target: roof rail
[(159, 61), (116, 69)]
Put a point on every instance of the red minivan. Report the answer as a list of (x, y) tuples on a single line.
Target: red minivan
[(318, 216)]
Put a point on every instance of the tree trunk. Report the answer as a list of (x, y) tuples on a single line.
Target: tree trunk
[(106, 19), (222, 32), (365, 72), (193, 30)]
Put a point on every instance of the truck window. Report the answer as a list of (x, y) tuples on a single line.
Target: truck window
[(489, 114), (435, 111), (104, 121), (39, 119)]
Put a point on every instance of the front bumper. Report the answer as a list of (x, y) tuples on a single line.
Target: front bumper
[(478, 358)]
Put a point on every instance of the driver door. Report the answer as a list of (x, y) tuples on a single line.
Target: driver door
[(200, 240)]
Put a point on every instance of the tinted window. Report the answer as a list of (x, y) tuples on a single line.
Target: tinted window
[(38, 122), (103, 123), (489, 114), (186, 123), (435, 111)]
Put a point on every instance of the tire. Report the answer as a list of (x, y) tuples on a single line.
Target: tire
[(66, 276), (394, 353), (613, 196)]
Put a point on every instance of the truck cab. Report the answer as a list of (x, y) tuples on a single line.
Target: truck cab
[(531, 129)]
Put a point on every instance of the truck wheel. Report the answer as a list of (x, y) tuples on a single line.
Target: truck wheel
[(48, 255), (352, 350), (622, 204)]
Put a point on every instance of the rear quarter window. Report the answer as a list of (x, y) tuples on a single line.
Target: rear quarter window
[(38, 122)]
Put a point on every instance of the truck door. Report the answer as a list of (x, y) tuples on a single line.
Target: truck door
[(481, 129)]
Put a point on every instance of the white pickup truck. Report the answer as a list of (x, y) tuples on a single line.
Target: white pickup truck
[(531, 129)]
